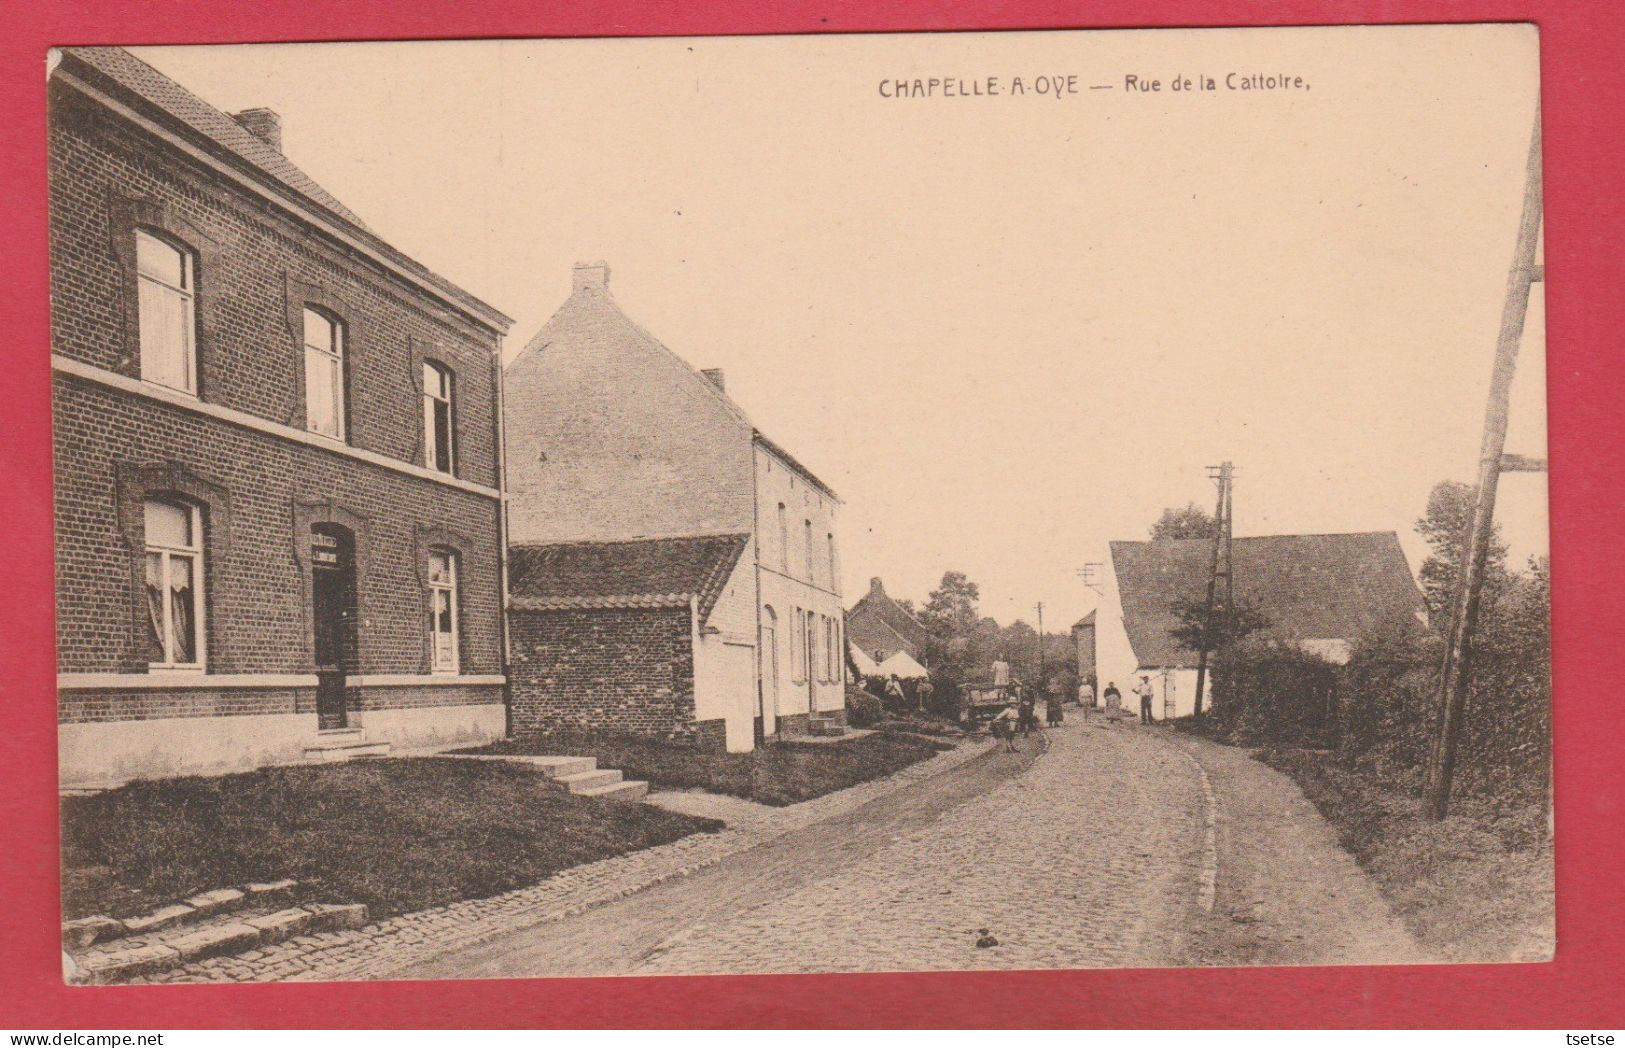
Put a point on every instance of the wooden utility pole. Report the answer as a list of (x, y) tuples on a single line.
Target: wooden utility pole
[(1455, 675), (1040, 681), (1220, 561)]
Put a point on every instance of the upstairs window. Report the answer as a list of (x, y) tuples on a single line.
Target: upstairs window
[(806, 527), (443, 611), (437, 418), (166, 307), (324, 375), (784, 540), (829, 544), (174, 576)]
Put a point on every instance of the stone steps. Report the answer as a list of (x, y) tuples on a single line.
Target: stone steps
[(825, 726), (629, 790), (136, 956), (86, 931), (581, 776), (342, 744)]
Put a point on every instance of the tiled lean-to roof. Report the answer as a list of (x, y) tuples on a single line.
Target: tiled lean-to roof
[(1308, 587), (640, 573)]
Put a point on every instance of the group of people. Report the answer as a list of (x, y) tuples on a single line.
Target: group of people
[(1145, 690), (1020, 717)]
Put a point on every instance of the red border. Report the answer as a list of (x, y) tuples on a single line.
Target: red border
[(1583, 92)]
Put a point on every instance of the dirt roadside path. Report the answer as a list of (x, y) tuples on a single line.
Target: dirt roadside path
[(1287, 893)]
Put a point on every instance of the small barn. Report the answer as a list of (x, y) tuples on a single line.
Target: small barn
[(1320, 592), (884, 637)]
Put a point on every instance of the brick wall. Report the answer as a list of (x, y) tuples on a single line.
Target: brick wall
[(612, 670), (256, 267), (257, 610)]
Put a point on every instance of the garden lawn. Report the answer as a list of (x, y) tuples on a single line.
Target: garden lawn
[(780, 774), (1476, 887), (399, 835)]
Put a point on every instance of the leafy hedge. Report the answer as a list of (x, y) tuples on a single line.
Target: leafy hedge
[(1378, 711)]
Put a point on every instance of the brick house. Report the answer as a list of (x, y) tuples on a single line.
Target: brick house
[(623, 457), (884, 638), (277, 455), (1320, 593)]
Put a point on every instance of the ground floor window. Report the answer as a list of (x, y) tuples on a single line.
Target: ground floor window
[(443, 611), (174, 575)]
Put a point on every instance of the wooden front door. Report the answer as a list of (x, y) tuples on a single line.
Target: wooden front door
[(333, 590)]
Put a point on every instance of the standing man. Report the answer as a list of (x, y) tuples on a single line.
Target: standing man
[(1146, 693), (923, 691)]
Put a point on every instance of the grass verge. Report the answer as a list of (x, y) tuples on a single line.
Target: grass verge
[(1476, 887), (399, 835), (780, 774)]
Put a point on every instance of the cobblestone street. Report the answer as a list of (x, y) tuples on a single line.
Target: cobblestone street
[(1090, 858), (1098, 845)]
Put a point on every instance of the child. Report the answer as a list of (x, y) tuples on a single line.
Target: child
[(1004, 727)]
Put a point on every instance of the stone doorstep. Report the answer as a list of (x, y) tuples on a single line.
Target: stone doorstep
[(586, 780), (628, 790), (87, 931), (121, 963)]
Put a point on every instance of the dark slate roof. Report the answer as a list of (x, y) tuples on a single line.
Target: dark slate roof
[(640, 573), (1309, 587), (1087, 620), (159, 96), (137, 76), (878, 604)]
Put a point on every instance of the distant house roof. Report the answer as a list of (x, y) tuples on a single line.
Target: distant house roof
[(877, 621), (240, 148), (1309, 587), (642, 573)]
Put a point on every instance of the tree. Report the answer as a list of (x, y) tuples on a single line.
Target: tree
[(1191, 632), (1192, 522), (951, 609), (1449, 516)]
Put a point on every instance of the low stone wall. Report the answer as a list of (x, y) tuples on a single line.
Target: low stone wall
[(618, 670)]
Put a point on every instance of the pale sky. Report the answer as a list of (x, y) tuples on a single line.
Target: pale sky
[(1005, 329)]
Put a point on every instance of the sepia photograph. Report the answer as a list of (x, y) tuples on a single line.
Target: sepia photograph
[(747, 505)]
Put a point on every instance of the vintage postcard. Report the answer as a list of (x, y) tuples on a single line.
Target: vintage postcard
[(800, 504)]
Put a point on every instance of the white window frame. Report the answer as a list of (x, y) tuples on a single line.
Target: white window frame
[(330, 356), (431, 446), (186, 293), (449, 588), (167, 555)]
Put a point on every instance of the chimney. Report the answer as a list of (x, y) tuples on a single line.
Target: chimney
[(715, 375), (876, 589), (263, 124), (592, 276)]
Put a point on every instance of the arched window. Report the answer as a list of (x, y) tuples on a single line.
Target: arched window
[(174, 582), (324, 374), (442, 611), (166, 307), (438, 428), (784, 540)]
